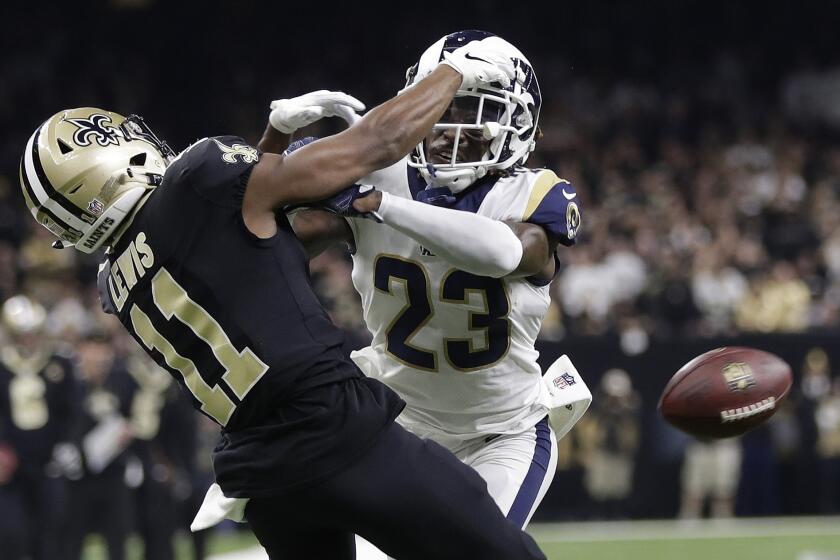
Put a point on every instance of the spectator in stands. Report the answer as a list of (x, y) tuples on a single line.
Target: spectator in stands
[(779, 301), (827, 416), (163, 426), (718, 289), (710, 472), (37, 408), (610, 433), (101, 498)]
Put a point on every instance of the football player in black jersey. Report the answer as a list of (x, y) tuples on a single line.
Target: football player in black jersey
[(101, 496), (205, 272), (38, 405)]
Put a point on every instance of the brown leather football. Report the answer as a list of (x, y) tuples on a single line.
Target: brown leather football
[(725, 392)]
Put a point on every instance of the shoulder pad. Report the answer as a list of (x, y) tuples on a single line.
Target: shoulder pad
[(219, 167), (554, 205)]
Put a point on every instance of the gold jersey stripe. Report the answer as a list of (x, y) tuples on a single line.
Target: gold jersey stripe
[(541, 187)]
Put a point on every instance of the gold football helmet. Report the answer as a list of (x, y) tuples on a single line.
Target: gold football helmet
[(21, 315), (84, 170)]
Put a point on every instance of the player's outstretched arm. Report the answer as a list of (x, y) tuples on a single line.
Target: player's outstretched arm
[(289, 115), (324, 167), (318, 230), (474, 243), (273, 141), (379, 139), (384, 135)]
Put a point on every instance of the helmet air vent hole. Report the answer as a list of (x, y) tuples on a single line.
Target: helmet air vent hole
[(139, 159), (64, 147), (76, 188)]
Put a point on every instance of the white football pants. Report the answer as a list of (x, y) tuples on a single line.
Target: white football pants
[(518, 469)]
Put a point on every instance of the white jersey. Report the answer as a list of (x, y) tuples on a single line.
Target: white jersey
[(459, 348)]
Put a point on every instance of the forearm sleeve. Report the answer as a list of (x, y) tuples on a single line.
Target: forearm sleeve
[(473, 243)]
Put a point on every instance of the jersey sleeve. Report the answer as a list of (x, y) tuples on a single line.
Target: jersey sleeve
[(219, 168), (553, 205)]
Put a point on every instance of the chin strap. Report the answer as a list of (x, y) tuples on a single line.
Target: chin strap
[(109, 222), (455, 180), (151, 179)]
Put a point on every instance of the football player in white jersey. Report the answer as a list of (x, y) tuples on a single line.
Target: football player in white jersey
[(455, 284)]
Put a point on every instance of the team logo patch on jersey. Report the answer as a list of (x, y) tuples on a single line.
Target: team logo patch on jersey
[(564, 380), (572, 219), (230, 153), (96, 127)]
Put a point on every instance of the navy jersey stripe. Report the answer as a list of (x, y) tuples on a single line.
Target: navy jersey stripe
[(530, 488), (468, 200)]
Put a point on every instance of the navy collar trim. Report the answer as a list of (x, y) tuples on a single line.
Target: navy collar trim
[(468, 200)]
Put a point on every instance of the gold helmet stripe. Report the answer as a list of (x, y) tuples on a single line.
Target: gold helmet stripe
[(56, 204)]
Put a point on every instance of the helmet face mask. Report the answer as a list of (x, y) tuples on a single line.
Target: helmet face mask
[(135, 128), (504, 118), (84, 170)]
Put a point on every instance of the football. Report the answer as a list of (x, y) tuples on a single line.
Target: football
[(725, 392)]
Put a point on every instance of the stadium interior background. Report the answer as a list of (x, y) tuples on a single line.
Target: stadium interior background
[(703, 138)]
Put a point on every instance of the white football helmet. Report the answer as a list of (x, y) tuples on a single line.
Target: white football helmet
[(84, 170), (507, 117)]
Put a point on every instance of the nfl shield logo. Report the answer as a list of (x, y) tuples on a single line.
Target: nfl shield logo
[(564, 380), (95, 206), (738, 375)]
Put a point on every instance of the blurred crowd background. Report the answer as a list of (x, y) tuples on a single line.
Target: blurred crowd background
[(702, 137)]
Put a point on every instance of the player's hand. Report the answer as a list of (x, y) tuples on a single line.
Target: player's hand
[(288, 115), (356, 201), (480, 65)]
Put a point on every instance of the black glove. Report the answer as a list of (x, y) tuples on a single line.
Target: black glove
[(342, 203), (436, 196), (297, 144)]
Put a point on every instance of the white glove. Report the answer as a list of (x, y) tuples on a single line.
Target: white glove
[(288, 115), (480, 65)]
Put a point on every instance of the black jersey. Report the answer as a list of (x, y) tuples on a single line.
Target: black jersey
[(235, 320), (102, 401), (38, 398)]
